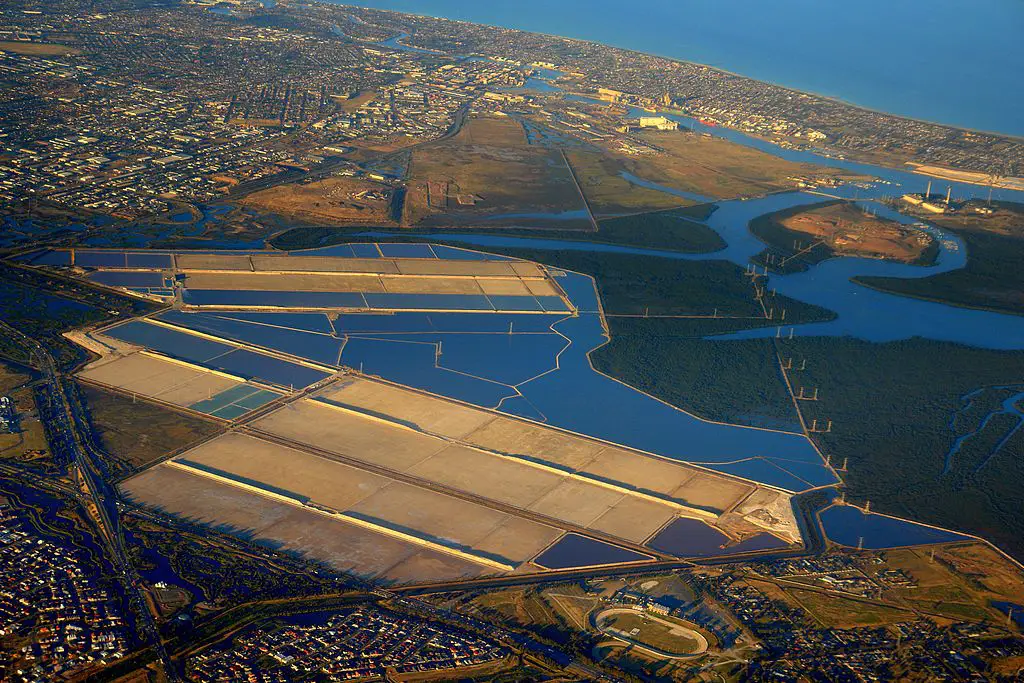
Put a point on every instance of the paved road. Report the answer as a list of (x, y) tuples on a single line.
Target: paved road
[(84, 458)]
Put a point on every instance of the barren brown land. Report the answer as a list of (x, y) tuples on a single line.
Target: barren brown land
[(36, 49), (338, 200), (489, 170), (849, 231), (116, 419), (28, 442), (717, 168)]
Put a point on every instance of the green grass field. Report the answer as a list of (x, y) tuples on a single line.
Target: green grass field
[(670, 638), (136, 433)]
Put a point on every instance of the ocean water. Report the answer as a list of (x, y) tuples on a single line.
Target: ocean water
[(952, 61)]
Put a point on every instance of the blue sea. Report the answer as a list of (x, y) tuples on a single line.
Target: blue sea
[(958, 62)]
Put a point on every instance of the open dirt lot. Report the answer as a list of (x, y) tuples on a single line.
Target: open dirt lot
[(505, 435), (643, 473), (633, 519), (426, 514), (485, 171), (403, 284), (116, 419), (19, 47), (408, 407), (349, 282), (338, 431), (192, 261), (487, 475), (577, 502), (333, 201), (521, 438), (710, 491), (150, 376), (290, 528), (285, 282), (771, 510), (455, 522), (333, 484), (481, 268), (848, 230), (322, 264)]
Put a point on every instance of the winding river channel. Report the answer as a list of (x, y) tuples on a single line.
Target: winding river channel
[(862, 312)]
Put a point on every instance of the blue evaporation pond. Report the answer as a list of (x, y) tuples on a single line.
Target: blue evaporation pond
[(457, 254), (230, 412), (517, 405), (415, 323), (365, 250), (573, 550), (580, 290), (507, 358), (413, 364), (310, 322), (400, 250), (686, 537), (214, 297), (245, 398), (50, 257), (100, 259), (511, 302), (849, 525), (260, 398), (252, 365), (552, 304), (339, 250), (445, 302), (211, 354), (167, 341), (320, 348), (616, 412), (127, 278), (144, 260), (766, 471)]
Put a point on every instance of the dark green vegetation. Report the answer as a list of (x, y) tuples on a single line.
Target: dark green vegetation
[(993, 277), (226, 570), (42, 306), (892, 406), (672, 230), (635, 285), (115, 419), (43, 317), (729, 381)]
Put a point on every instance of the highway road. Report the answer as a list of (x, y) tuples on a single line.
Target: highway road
[(83, 457)]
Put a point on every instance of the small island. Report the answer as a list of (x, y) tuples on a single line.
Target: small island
[(802, 236)]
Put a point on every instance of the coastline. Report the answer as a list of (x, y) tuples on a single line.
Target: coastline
[(1018, 137)]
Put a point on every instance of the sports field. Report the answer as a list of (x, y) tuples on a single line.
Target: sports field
[(660, 635)]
